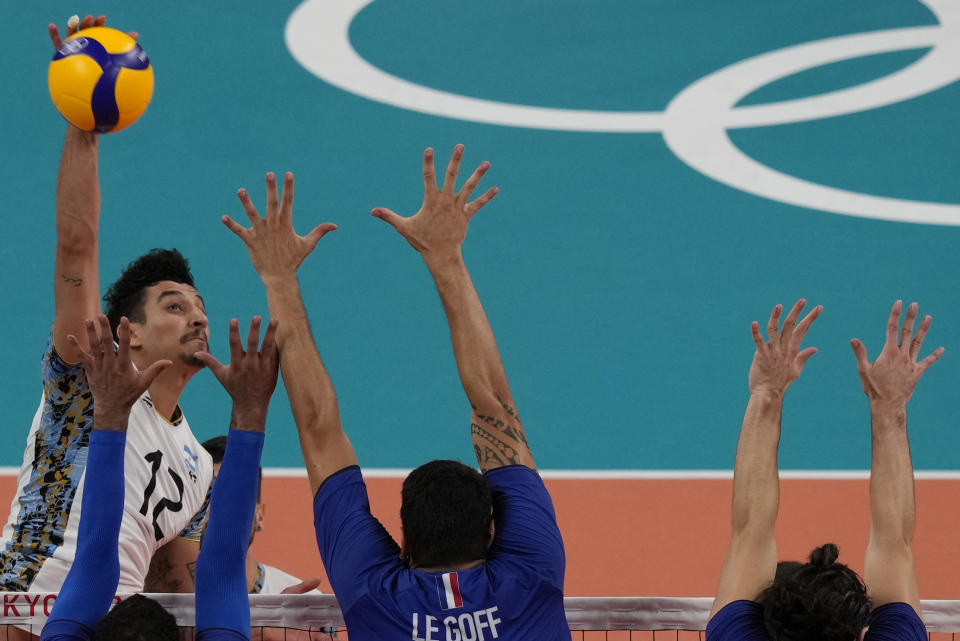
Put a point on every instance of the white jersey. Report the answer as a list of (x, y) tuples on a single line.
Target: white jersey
[(167, 475)]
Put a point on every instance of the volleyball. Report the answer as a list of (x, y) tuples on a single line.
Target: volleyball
[(100, 80)]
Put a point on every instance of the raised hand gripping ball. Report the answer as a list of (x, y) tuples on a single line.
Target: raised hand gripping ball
[(100, 80)]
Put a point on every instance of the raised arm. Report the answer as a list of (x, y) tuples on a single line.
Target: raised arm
[(76, 286), (751, 560), (222, 603), (276, 252), (437, 231), (889, 383)]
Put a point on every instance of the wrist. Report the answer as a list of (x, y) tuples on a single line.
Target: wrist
[(279, 279), (249, 420), (112, 420), (766, 395), (439, 259)]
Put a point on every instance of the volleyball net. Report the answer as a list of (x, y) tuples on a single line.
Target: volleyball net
[(316, 617)]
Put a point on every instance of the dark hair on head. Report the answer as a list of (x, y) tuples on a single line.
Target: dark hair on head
[(445, 513), (137, 619), (217, 447), (819, 601), (125, 297)]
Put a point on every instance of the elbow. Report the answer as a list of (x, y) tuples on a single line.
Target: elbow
[(75, 238)]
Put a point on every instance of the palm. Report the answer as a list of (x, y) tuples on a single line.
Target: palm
[(779, 361), (441, 224), (275, 248)]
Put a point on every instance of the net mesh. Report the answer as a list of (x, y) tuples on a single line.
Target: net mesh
[(314, 617)]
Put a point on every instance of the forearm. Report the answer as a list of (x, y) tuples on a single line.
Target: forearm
[(221, 581), (756, 484), (90, 585), (474, 346), (78, 190), (310, 390), (892, 505)]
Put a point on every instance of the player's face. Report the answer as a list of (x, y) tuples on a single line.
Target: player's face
[(175, 326)]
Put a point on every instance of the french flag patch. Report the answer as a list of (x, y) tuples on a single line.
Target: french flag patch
[(448, 589)]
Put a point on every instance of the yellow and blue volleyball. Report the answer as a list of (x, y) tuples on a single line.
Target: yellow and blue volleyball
[(100, 80)]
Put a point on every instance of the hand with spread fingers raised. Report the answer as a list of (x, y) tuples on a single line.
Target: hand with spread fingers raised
[(276, 250), (894, 375), (779, 361), (251, 376), (440, 227), (114, 381)]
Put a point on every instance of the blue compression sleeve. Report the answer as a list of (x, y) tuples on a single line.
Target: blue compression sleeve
[(221, 581), (91, 583)]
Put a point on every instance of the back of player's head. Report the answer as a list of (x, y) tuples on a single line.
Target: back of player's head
[(137, 619), (216, 447), (126, 296), (818, 601), (446, 514)]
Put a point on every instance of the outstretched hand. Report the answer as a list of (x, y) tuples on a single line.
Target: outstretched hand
[(894, 375), (251, 376), (779, 361), (114, 381), (275, 248), (72, 28), (441, 224)]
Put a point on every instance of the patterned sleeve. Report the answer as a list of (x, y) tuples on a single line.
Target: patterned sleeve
[(194, 529)]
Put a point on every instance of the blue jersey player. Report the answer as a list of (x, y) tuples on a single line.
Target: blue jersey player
[(823, 600), (222, 608), (481, 556)]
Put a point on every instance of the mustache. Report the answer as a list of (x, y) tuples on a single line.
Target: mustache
[(192, 335)]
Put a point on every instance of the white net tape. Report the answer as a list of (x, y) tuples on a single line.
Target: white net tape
[(313, 611)]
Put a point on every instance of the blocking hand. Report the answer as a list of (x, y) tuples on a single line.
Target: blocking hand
[(779, 361), (441, 224), (275, 248), (894, 375), (251, 376), (114, 381)]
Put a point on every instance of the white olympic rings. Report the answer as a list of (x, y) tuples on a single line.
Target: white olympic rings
[(695, 123)]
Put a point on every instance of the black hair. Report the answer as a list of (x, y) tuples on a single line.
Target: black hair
[(137, 619), (125, 297), (818, 601), (217, 447), (446, 514)]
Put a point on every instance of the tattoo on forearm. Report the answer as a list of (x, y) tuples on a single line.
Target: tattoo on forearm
[(76, 282), (495, 451), (511, 432)]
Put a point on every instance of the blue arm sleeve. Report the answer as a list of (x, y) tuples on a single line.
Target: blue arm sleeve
[(221, 580), (91, 584)]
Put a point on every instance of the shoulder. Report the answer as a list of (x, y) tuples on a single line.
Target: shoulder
[(896, 622), (738, 621)]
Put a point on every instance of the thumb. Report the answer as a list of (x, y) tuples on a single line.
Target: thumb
[(215, 366), (860, 352), (388, 216), (319, 232), (805, 355), (151, 373)]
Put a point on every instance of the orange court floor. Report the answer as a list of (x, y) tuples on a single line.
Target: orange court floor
[(650, 537)]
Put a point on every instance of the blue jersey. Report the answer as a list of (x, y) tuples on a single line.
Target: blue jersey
[(743, 621), (516, 595)]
